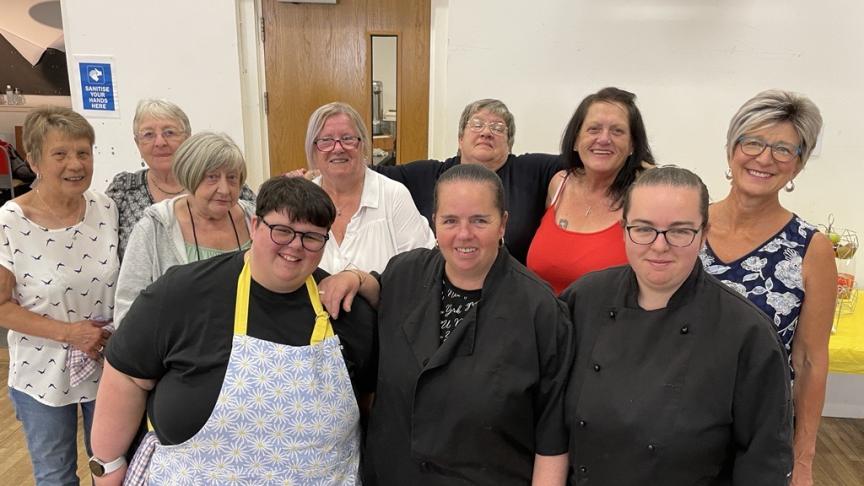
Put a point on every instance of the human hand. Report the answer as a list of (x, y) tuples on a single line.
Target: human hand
[(88, 336), (338, 291), (802, 474)]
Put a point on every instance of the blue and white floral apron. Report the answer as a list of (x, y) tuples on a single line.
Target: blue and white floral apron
[(285, 414)]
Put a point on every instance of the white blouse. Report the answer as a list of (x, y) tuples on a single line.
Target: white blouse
[(67, 274), (386, 223)]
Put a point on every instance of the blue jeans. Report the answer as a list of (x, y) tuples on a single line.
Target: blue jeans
[(52, 437)]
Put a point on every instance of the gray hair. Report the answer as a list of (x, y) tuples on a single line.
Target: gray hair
[(44, 119), (495, 107), (159, 109), (320, 116), (772, 107), (205, 152), (673, 176)]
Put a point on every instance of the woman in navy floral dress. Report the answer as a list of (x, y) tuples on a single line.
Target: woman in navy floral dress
[(770, 255)]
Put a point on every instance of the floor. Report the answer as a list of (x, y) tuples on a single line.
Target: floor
[(839, 460)]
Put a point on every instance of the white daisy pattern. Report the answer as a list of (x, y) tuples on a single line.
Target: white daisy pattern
[(770, 276), (296, 428)]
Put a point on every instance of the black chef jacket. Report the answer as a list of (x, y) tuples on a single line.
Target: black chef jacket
[(476, 409), (696, 393), (525, 178)]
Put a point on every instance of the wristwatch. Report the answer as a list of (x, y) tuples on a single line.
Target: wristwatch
[(99, 468)]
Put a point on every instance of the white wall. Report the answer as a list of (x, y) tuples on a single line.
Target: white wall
[(185, 51), (692, 64)]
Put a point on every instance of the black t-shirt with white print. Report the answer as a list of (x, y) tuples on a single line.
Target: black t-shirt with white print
[(455, 304)]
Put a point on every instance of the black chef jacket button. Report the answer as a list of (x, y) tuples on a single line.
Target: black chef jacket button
[(583, 469), (596, 367), (424, 466), (425, 362), (583, 424), (612, 314), (685, 330), (651, 448)]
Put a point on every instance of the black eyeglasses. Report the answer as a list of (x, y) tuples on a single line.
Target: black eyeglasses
[(284, 235), (780, 151), (329, 144), (677, 237)]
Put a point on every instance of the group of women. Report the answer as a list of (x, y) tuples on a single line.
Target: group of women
[(480, 374)]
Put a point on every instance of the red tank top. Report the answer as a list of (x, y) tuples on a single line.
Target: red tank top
[(561, 257)]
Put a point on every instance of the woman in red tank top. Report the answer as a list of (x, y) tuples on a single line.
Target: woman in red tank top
[(604, 148)]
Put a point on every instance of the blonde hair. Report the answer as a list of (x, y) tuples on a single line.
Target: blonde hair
[(42, 120)]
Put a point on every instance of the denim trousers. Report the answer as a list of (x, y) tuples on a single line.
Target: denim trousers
[(52, 437)]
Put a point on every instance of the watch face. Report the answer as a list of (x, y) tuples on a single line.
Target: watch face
[(97, 469)]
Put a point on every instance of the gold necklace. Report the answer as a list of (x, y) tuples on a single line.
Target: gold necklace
[(51, 211), (152, 179)]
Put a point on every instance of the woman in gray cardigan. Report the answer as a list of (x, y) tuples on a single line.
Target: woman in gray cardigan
[(208, 221)]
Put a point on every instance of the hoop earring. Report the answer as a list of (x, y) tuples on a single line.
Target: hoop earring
[(501, 242), (790, 186), (728, 174)]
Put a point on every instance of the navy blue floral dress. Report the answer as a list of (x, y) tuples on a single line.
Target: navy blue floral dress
[(770, 276)]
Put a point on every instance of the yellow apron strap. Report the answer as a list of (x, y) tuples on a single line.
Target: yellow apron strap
[(323, 329), (241, 305)]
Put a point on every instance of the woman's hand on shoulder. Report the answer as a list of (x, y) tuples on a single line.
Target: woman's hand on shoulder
[(88, 336), (338, 291)]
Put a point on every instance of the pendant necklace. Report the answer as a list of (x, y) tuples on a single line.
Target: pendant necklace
[(152, 179), (51, 211)]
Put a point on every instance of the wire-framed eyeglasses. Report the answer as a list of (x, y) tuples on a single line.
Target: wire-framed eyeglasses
[(646, 235), (284, 235), (168, 134), (477, 125)]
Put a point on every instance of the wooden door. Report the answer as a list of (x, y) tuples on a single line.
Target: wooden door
[(315, 54)]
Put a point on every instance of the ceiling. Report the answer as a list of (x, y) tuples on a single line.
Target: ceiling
[(32, 26)]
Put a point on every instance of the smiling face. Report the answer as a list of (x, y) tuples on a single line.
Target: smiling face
[(66, 168), (282, 268), (468, 227), (485, 147), (159, 152), (341, 161), (762, 175), (604, 141), (660, 268), (218, 192)]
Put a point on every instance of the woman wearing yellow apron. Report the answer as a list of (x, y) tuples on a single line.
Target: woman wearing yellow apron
[(276, 405)]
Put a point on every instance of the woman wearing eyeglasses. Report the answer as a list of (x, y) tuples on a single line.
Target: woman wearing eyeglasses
[(243, 376), (487, 131), (375, 216), (605, 148), (207, 221), (770, 255), (159, 127), (678, 380)]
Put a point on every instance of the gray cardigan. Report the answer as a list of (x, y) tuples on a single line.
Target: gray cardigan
[(156, 244)]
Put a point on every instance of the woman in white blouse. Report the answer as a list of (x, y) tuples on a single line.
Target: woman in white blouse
[(375, 216)]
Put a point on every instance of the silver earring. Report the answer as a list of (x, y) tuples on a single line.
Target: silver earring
[(728, 174), (790, 186)]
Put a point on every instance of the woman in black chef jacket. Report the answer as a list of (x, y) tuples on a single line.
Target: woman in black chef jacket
[(474, 352), (678, 379)]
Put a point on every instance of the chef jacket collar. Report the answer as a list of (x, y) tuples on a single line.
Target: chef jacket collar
[(628, 291)]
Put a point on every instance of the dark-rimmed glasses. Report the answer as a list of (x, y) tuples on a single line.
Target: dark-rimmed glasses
[(328, 144), (284, 235), (477, 125), (646, 235), (781, 152)]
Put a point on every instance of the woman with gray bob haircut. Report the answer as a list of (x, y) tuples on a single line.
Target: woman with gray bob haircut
[(208, 221), (158, 128), (770, 255)]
